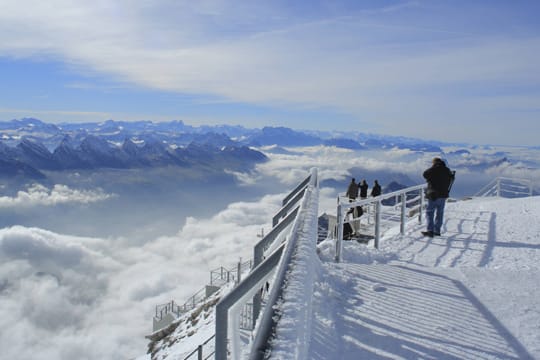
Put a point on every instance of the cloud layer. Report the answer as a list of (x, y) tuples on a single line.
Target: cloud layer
[(66, 297), (39, 195)]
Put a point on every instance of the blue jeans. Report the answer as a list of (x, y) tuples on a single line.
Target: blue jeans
[(435, 209)]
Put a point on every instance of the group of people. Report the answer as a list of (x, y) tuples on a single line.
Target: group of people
[(439, 180), (354, 189)]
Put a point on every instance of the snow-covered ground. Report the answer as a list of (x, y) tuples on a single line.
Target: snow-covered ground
[(470, 294)]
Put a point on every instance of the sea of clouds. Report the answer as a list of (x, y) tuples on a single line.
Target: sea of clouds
[(66, 296)]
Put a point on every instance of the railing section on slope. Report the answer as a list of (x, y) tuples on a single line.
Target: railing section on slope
[(166, 313), (507, 187), (199, 351), (271, 258), (386, 209)]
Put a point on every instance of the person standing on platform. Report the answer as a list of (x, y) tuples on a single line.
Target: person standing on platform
[(439, 179), (376, 191)]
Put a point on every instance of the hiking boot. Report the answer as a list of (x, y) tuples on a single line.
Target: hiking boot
[(427, 233), (436, 233)]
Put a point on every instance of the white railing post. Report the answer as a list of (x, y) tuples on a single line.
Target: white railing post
[(339, 240), (377, 223), (200, 352), (239, 271), (421, 210), (403, 213)]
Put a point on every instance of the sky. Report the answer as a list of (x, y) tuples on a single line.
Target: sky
[(441, 70)]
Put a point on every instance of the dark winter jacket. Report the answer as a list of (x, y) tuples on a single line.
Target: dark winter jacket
[(376, 190), (363, 189), (352, 190), (438, 178)]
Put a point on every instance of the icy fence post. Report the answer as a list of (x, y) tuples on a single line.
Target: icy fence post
[(377, 223), (239, 271), (339, 240), (421, 210), (403, 213)]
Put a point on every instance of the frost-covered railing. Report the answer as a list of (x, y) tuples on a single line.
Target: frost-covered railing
[(221, 275), (389, 208), (272, 260), (166, 313), (507, 187), (164, 309)]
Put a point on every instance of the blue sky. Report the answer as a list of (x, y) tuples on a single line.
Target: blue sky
[(441, 70)]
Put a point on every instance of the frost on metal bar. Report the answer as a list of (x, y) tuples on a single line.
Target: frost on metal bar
[(272, 260)]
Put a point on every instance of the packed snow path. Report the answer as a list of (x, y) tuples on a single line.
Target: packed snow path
[(470, 294)]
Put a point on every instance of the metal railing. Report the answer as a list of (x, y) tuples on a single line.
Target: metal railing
[(271, 258), (507, 187), (164, 309), (218, 278), (387, 209), (222, 275), (199, 351)]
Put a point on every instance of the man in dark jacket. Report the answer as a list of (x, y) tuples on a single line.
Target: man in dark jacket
[(438, 177), (352, 190), (363, 189), (376, 190)]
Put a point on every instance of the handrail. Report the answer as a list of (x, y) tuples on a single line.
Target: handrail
[(344, 206), (223, 276), (514, 186), (200, 348), (245, 289), (285, 209), (264, 268), (266, 242), (270, 317), (300, 186), (291, 200)]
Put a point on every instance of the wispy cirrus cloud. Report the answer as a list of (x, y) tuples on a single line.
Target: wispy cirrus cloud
[(399, 68)]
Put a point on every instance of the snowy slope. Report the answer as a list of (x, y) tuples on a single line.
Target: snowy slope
[(469, 294)]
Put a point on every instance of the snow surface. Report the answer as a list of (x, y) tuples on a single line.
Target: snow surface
[(470, 294)]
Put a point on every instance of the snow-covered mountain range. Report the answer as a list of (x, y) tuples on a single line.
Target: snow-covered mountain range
[(177, 132), (30, 145)]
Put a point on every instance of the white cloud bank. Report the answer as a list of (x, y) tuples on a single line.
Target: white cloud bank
[(69, 297), (39, 195)]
